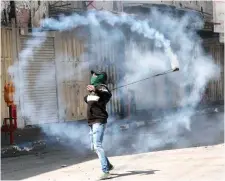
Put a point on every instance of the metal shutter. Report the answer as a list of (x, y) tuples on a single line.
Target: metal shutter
[(40, 88), (107, 57)]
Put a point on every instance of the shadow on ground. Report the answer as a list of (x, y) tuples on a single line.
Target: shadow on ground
[(22, 167), (129, 173)]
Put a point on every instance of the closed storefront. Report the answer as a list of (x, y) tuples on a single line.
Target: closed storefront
[(72, 76), (215, 88), (38, 99), (107, 60)]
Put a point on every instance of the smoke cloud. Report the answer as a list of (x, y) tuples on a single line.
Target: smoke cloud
[(151, 44)]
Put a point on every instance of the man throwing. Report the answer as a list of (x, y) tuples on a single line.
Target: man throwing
[(97, 116)]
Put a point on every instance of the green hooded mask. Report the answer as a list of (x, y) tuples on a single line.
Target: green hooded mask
[(97, 80)]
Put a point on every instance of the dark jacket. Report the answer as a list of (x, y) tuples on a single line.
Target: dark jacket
[(96, 109)]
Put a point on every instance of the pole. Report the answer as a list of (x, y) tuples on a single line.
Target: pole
[(11, 136), (163, 73)]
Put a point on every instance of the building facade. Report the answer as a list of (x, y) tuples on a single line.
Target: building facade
[(65, 98)]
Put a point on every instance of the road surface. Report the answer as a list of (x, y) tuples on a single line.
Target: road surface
[(191, 164)]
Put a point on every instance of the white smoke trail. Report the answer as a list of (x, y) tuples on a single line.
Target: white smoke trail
[(196, 69), (139, 63), (94, 18), (18, 73)]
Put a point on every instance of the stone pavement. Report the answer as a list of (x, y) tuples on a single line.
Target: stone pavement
[(190, 164)]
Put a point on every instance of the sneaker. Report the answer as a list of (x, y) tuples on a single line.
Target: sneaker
[(111, 167), (105, 176)]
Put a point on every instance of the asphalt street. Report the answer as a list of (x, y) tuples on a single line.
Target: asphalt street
[(189, 164)]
